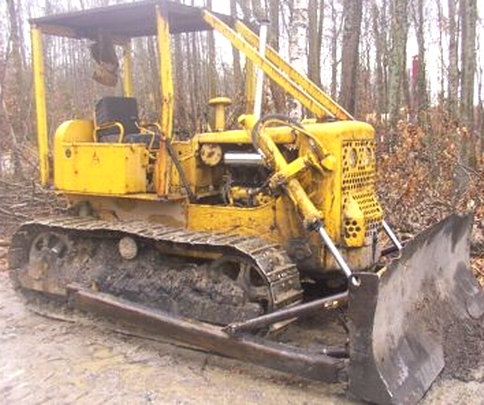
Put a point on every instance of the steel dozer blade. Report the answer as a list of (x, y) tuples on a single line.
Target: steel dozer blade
[(400, 319)]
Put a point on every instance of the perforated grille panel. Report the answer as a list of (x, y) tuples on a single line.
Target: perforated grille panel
[(358, 164), (358, 183)]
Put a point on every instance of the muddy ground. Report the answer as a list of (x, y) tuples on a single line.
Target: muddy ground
[(47, 361)]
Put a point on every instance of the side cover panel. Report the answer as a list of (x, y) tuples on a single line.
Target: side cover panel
[(105, 168)]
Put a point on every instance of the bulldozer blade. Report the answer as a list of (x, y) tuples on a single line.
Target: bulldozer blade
[(400, 318)]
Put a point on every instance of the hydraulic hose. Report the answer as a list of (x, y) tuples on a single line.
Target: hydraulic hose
[(269, 117)]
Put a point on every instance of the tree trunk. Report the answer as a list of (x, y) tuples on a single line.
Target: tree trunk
[(335, 31), (258, 11), (14, 118), (181, 105), (212, 68), (453, 68), (440, 19), (420, 103), (352, 14), (315, 21), (246, 9), (398, 38), (155, 88), (278, 96), (380, 32), (480, 111), (237, 85), (249, 70), (298, 27), (468, 15)]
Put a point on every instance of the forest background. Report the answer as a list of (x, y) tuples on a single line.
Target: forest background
[(412, 68)]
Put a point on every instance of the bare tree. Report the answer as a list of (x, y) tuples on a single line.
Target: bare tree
[(442, 75), (14, 117), (468, 16), (278, 96), (398, 38), (453, 68), (297, 46), (380, 30), (352, 13), (315, 33), (335, 33), (212, 68), (420, 103), (236, 56)]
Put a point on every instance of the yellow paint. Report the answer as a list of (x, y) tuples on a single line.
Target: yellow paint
[(162, 167), (201, 177), (333, 188), (81, 165), (74, 131), (278, 135), (354, 227), (249, 86), (219, 104), (310, 214), (331, 180), (42, 131), (259, 221), (143, 206), (291, 170), (211, 154), (80, 196), (109, 125), (163, 37), (127, 70)]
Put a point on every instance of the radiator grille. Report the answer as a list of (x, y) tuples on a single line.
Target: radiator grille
[(358, 182)]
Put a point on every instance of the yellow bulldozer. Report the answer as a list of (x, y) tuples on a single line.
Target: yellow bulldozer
[(225, 239)]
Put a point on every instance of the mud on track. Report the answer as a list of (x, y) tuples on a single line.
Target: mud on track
[(49, 361)]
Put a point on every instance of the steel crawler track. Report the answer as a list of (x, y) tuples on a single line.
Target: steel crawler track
[(280, 273)]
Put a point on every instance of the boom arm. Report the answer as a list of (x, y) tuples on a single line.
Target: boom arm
[(298, 86), (306, 85)]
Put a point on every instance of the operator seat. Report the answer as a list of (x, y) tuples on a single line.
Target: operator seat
[(117, 120)]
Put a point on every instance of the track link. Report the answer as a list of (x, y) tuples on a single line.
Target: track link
[(280, 274)]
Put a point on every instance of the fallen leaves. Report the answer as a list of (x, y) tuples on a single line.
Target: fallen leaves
[(423, 180)]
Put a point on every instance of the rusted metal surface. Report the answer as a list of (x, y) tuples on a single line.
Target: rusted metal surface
[(297, 311), (259, 351), (400, 321)]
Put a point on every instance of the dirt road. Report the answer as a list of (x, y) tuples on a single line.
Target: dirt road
[(44, 361)]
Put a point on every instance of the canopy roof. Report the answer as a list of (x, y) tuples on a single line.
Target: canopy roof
[(125, 20)]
